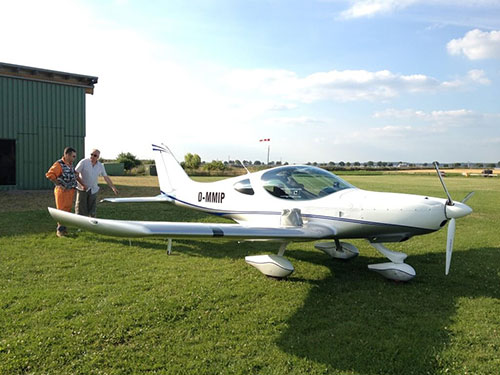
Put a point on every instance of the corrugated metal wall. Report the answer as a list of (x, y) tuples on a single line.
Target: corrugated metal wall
[(44, 118)]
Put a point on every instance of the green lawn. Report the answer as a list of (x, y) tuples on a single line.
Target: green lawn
[(90, 304)]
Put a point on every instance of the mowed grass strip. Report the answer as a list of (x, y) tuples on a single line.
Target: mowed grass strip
[(91, 304)]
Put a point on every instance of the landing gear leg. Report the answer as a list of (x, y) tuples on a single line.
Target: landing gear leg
[(169, 246)]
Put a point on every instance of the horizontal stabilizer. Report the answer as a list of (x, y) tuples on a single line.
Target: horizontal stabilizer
[(123, 228), (158, 198)]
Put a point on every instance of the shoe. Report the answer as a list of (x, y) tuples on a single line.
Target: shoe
[(61, 231)]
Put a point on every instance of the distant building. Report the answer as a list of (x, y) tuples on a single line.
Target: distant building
[(41, 112)]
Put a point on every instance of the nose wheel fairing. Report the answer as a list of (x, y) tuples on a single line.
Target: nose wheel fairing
[(396, 269), (338, 250)]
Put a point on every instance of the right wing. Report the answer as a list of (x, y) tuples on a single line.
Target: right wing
[(123, 228)]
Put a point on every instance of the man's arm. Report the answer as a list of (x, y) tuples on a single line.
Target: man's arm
[(80, 181), (54, 172), (110, 183)]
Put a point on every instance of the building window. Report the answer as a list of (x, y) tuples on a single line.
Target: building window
[(7, 161)]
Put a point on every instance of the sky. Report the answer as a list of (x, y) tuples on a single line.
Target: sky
[(324, 80)]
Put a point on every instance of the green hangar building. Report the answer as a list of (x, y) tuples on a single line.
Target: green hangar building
[(41, 112)]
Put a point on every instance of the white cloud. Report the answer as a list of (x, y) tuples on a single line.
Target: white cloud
[(371, 8), (427, 135), (434, 121), (342, 86), (300, 121), (476, 45), (422, 115), (459, 123)]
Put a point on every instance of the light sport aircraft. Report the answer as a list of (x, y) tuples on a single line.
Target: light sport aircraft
[(289, 204)]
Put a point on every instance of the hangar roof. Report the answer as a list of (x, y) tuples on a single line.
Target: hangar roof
[(51, 76)]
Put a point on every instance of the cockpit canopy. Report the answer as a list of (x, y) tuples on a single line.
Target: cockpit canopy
[(302, 182)]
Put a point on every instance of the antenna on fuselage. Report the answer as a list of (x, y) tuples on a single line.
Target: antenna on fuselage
[(243, 165)]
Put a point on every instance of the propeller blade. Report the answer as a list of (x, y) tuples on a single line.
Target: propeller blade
[(449, 244), (468, 196), (450, 201)]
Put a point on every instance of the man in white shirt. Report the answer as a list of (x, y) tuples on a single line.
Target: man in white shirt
[(89, 171)]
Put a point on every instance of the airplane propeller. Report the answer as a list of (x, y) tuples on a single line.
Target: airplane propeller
[(453, 210)]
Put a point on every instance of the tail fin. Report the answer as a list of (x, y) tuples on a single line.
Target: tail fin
[(171, 176)]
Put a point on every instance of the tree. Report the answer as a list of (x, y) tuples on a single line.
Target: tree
[(192, 161), (215, 165), (129, 160)]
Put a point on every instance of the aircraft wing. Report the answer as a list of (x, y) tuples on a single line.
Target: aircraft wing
[(123, 228), (158, 198)]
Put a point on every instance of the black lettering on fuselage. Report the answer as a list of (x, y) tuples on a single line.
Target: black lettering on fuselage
[(211, 196)]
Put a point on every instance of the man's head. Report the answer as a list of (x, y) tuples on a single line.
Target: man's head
[(94, 155), (69, 154)]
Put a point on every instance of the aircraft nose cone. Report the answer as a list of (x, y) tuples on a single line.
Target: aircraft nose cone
[(457, 210)]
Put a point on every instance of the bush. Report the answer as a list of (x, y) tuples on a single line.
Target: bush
[(129, 160)]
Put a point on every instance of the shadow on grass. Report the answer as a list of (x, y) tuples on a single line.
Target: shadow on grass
[(218, 249), (356, 321)]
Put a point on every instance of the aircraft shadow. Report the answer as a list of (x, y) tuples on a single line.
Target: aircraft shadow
[(218, 249), (400, 331), (355, 320)]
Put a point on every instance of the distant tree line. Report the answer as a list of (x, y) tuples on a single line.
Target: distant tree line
[(193, 162)]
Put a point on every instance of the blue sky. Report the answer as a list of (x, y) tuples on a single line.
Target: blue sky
[(410, 80)]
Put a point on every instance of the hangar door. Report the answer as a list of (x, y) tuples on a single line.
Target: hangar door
[(7, 161)]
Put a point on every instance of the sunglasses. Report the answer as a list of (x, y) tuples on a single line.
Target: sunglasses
[(94, 155)]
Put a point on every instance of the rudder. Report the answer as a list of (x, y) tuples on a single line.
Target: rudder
[(171, 176)]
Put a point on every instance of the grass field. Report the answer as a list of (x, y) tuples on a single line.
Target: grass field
[(90, 304)]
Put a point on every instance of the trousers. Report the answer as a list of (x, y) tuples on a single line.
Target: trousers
[(86, 203), (64, 198)]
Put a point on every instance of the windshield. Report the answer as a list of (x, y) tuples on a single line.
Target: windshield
[(302, 182)]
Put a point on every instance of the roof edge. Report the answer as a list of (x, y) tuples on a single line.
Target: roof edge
[(50, 76)]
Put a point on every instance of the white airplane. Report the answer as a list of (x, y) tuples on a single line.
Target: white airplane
[(289, 204)]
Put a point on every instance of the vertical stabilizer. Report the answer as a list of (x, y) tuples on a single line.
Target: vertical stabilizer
[(171, 176)]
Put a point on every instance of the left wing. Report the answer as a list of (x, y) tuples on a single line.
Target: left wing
[(123, 228)]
